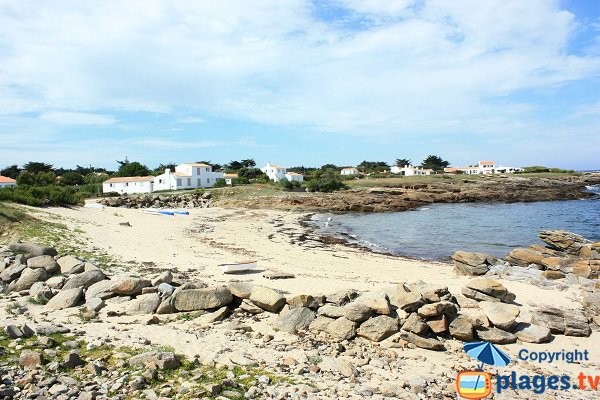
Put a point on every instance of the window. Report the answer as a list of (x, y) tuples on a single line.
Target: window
[(189, 181), (110, 184), (207, 180), (198, 171), (160, 181), (178, 181), (126, 183)]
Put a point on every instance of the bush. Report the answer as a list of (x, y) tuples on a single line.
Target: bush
[(51, 195), (220, 183), (325, 181), (262, 179), (289, 185), (242, 180)]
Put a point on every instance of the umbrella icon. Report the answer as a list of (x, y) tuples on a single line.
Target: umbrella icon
[(487, 353)]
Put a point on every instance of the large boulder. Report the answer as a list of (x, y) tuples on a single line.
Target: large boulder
[(65, 299), (436, 309), (143, 304), (422, 342), (357, 312), (405, 299), (32, 249), (378, 328), (243, 290), (568, 242), (28, 277), (45, 262), (556, 323), (341, 329), (304, 300), (376, 301), (532, 333), (468, 263), (13, 272), (342, 297), (160, 360), (128, 286), (501, 315), (294, 319), (415, 324), (100, 289), (331, 311), (576, 324), (524, 256), (70, 265), (201, 299), (461, 328), (495, 335), (267, 298), (491, 288), (85, 279)]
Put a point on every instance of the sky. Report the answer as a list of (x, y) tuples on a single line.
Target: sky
[(300, 82)]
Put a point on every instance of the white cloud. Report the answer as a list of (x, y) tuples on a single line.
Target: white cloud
[(77, 118), (190, 120), (422, 66)]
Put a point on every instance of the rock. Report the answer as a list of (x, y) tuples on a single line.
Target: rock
[(277, 275), (249, 307), (294, 319), (344, 367), (591, 303), (11, 273), (267, 298), (437, 309), (165, 307), (165, 289), (501, 315), (84, 280), (555, 323), (30, 359), (101, 290), (95, 304), (532, 333), (431, 293), (241, 290), (342, 297), (143, 304), (128, 286), (424, 343), (320, 324), (201, 299), (70, 265), (378, 328), (341, 329), (553, 263), (576, 324), (415, 324), (46, 262), (165, 277), (491, 288), (564, 241), (32, 249), (405, 299), (438, 324), (475, 295), (28, 277), (72, 360), (13, 332), (461, 328), (239, 359), (65, 298), (357, 312), (523, 257), (47, 329), (377, 302), (331, 311), (553, 275), (56, 282), (303, 300), (162, 360), (468, 263), (209, 318), (40, 292), (581, 268), (495, 335)]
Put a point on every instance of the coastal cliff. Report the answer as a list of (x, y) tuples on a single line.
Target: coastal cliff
[(405, 195)]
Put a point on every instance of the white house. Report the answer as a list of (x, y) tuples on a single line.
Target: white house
[(129, 184), (5, 181), (409, 170), (277, 173), (187, 176), (483, 168), (349, 171), (229, 178), (294, 177)]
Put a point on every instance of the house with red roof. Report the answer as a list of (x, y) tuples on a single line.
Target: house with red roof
[(5, 181)]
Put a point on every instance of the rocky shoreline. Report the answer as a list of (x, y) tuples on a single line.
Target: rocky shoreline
[(342, 337), (408, 196)]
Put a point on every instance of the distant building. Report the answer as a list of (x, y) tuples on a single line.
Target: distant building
[(5, 182), (349, 171), (409, 170), (483, 168), (187, 176), (129, 184), (229, 178), (276, 173)]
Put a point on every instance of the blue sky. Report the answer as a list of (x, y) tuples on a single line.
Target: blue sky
[(300, 82)]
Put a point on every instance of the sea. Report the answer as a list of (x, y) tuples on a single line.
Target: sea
[(436, 231)]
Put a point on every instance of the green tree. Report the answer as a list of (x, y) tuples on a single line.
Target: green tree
[(11, 171), (249, 163), (35, 167), (132, 169), (26, 178), (233, 166), (401, 162), (435, 163), (372, 166), (72, 178), (249, 173), (325, 181), (329, 166)]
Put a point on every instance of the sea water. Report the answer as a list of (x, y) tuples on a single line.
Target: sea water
[(438, 230)]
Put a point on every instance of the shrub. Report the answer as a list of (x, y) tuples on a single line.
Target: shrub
[(325, 181), (287, 184), (51, 195)]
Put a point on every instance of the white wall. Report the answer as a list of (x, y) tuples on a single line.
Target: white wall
[(128, 187), (7, 184)]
